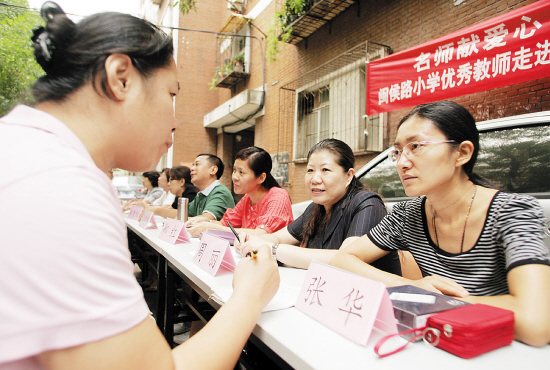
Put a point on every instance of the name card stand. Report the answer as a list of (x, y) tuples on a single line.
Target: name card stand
[(148, 221), (174, 231), (135, 211), (214, 255), (347, 303)]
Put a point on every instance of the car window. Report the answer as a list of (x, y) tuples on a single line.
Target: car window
[(384, 180), (515, 160)]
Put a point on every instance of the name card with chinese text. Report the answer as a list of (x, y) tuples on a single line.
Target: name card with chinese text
[(135, 211), (148, 221), (174, 231), (214, 255), (347, 303)]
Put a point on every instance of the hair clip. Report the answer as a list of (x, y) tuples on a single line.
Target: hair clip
[(45, 44)]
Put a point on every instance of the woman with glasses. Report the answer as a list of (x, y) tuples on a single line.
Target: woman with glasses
[(469, 240)]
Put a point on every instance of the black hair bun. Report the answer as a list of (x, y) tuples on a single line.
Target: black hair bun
[(49, 10), (50, 41)]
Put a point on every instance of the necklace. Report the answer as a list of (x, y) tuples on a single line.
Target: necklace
[(465, 222)]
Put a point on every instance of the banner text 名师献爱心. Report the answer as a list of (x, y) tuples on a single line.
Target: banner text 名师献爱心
[(502, 51)]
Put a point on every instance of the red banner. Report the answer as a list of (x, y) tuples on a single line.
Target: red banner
[(501, 51)]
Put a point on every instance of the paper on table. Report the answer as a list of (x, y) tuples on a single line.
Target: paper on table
[(285, 298)]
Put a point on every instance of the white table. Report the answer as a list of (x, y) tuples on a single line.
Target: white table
[(303, 343)]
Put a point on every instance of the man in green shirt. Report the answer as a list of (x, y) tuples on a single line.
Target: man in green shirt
[(213, 198)]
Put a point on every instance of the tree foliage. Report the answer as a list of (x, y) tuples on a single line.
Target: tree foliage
[(18, 69), (186, 5)]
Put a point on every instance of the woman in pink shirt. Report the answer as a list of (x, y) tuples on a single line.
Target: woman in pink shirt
[(265, 207), (72, 302)]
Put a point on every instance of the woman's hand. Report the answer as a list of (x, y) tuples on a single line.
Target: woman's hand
[(197, 228), (257, 279), (249, 242), (135, 202), (129, 205), (196, 220), (244, 243), (441, 285)]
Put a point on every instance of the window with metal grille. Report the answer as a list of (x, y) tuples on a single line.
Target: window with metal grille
[(333, 108), (330, 102)]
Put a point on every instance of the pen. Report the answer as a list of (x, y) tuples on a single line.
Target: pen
[(253, 254), (234, 232)]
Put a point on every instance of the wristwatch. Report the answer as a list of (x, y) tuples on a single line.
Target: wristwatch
[(274, 250)]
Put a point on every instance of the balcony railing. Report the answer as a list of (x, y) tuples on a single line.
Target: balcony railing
[(230, 53), (313, 18), (231, 79)]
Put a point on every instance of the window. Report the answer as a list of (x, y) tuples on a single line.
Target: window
[(313, 109), (334, 107), (516, 160), (229, 47)]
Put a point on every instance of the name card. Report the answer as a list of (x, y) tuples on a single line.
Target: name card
[(148, 221), (347, 303), (214, 255), (174, 231), (135, 211)]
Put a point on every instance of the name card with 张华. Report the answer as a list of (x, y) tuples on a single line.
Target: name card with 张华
[(214, 255), (174, 231), (148, 221), (347, 303), (135, 211)]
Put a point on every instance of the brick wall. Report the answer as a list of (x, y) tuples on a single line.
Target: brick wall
[(196, 63), (400, 24)]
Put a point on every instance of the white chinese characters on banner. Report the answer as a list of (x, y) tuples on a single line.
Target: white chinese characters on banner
[(479, 59)]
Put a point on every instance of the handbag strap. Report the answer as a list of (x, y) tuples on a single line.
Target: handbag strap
[(417, 333)]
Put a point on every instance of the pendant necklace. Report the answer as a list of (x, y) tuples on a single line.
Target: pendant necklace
[(465, 222)]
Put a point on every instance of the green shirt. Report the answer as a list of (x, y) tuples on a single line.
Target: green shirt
[(216, 203)]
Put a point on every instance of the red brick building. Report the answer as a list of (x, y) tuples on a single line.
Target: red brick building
[(316, 88)]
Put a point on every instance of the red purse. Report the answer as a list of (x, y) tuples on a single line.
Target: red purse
[(466, 332)]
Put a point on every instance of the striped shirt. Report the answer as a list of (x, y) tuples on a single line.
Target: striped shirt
[(513, 235)]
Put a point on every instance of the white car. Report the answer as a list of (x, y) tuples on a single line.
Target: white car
[(129, 187), (514, 155)]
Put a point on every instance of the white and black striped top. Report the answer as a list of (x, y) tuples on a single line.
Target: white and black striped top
[(513, 235)]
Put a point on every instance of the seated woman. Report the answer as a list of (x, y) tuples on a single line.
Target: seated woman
[(151, 183), (167, 198), (469, 240), (341, 212), (265, 207), (180, 185)]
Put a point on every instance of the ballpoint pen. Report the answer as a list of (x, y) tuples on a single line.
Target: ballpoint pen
[(234, 232)]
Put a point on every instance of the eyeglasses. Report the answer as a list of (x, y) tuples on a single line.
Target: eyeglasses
[(412, 148)]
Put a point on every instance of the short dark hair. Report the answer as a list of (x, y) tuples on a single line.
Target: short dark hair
[(259, 162), (153, 177), (214, 161), (73, 54), (166, 172)]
